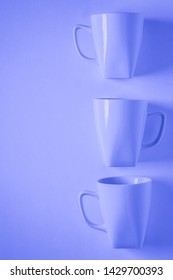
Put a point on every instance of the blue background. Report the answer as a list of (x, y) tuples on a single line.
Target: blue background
[(48, 144)]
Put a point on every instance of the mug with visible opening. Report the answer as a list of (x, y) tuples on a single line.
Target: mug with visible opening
[(117, 39), (125, 207), (120, 127)]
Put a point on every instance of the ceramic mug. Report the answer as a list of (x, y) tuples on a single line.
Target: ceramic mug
[(125, 207), (117, 39), (120, 127)]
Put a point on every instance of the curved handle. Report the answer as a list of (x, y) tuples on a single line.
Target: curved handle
[(91, 224), (75, 37), (161, 130)]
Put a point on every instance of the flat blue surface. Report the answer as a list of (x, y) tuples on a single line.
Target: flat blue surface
[(49, 149)]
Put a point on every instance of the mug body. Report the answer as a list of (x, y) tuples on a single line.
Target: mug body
[(120, 126), (117, 39), (125, 206)]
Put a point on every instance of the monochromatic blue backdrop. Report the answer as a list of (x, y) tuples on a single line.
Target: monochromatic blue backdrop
[(48, 144)]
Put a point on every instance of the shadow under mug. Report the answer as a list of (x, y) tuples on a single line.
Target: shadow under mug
[(120, 125), (117, 39), (125, 207)]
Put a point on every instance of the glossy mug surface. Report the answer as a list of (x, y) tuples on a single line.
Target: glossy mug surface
[(120, 127), (125, 207), (117, 39)]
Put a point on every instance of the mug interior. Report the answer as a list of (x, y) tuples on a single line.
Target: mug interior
[(124, 180)]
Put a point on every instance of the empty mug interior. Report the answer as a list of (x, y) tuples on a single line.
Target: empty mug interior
[(124, 180)]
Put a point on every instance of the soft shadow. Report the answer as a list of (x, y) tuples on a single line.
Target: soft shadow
[(160, 227), (163, 151), (156, 53)]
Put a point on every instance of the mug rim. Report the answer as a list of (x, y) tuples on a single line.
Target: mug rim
[(111, 180), (117, 13), (119, 99)]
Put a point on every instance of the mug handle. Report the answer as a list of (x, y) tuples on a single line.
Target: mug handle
[(90, 224), (76, 42), (161, 130)]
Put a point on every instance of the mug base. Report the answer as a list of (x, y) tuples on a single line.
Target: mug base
[(117, 77), (127, 246), (121, 164)]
